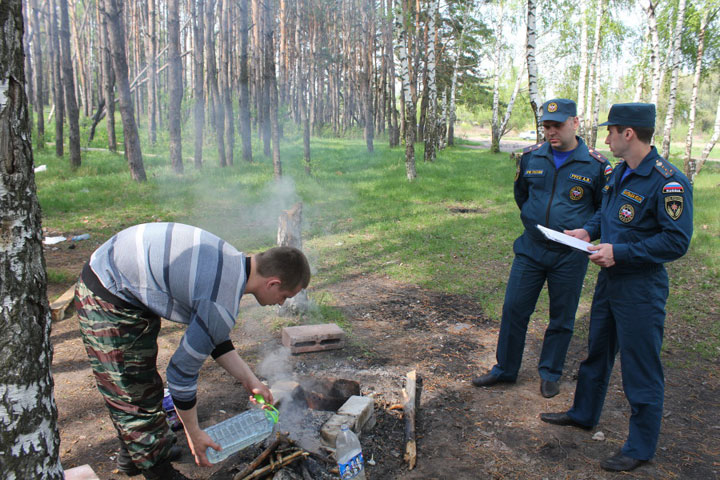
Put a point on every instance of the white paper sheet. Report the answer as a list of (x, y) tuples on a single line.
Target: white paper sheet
[(560, 237)]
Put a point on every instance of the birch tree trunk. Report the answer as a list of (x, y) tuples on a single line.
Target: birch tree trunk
[(453, 87), (532, 68), (431, 121), (245, 133), (394, 130), (495, 124), (403, 36), (108, 84), (29, 435), (198, 14), (708, 147), (594, 96), (690, 166), (71, 106), (175, 89), (116, 33), (674, 79), (654, 52), (511, 103), (639, 85), (582, 81)]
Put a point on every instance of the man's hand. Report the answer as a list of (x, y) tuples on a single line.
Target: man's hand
[(603, 255), (258, 387), (199, 442), (579, 233)]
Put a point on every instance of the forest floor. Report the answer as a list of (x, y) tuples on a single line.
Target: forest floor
[(463, 432)]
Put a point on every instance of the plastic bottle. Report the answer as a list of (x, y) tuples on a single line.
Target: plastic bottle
[(171, 415), (239, 432), (77, 238), (349, 455)]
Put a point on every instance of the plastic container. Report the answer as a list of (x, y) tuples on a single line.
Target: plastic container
[(348, 452), (239, 432), (77, 238)]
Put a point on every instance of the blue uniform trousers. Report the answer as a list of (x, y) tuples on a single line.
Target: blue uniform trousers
[(628, 315), (534, 263)]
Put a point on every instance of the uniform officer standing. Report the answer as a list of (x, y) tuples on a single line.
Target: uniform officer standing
[(645, 221), (558, 185)]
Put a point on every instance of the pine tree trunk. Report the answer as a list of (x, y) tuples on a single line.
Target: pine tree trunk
[(58, 90), (582, 81), (116, 33), (676, 60), (39, 73), (212, 79), (71, 106), (271, 82), (226, 82), (369, 45), (301, 79), (198, 13), (108, 85), (535, 103), (175, 90), (431, 122), (151, 44), (689, 162), (245, 133), (29, 436)]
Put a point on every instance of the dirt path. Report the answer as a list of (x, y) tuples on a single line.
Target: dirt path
[(463, 432)]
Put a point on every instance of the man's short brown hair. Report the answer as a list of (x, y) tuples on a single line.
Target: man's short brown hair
[(287, 263), (644, 134)]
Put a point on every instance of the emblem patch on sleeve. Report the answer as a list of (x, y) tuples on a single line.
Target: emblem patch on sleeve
[(674, 206), (608, 169), (576, 193), (627, 213), (673, 187)]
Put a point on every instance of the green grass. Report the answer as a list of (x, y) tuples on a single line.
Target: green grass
[(450, 230)]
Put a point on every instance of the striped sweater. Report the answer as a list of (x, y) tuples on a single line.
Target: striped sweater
[(181, 273)]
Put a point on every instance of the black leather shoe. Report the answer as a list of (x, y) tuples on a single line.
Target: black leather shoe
[(621, 463), (549, 388), (487, 380), (562, 419)]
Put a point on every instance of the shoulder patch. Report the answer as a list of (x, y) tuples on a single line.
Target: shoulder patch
[(665, 170), (597, 155), (608, 169), (673, 187), (532, 148)]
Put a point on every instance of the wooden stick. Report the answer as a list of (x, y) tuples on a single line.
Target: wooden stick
[(258, 460), (274, 466), (409, 415)]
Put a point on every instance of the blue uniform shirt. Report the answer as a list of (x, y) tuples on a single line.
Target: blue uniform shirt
[(562, 198), (648, 215)]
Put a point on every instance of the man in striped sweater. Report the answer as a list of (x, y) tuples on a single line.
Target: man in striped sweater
[(186, 275)]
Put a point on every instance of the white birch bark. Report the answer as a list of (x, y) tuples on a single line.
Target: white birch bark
[(401, 24), (674, 79), (595, 97), (689, 162), (495, 128), (582, 81), (453, 86), (431, 120), (442, 124), (511, 103), (532, 68), (709, 146), (654, 52), (642, 67), (29, 439)]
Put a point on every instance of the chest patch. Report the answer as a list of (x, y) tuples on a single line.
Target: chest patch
[(674, 206), (581, 178), (534, 173), (673, 187), (632, 195), (576, 193), (626, 213), (606, 188)]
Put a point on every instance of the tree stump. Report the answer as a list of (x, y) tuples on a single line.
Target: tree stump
[(290, 235)]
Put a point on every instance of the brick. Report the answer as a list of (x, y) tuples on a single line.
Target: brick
[(313, 338), (83, 472), (331, 428), (362, 409), (286, 391)]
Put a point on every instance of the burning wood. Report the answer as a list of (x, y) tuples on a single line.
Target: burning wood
[(411, 395)]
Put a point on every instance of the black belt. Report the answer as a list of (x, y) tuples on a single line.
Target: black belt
[(98, 289)]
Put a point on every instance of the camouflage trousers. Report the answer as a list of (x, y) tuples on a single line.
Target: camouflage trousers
[(122, 346)]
